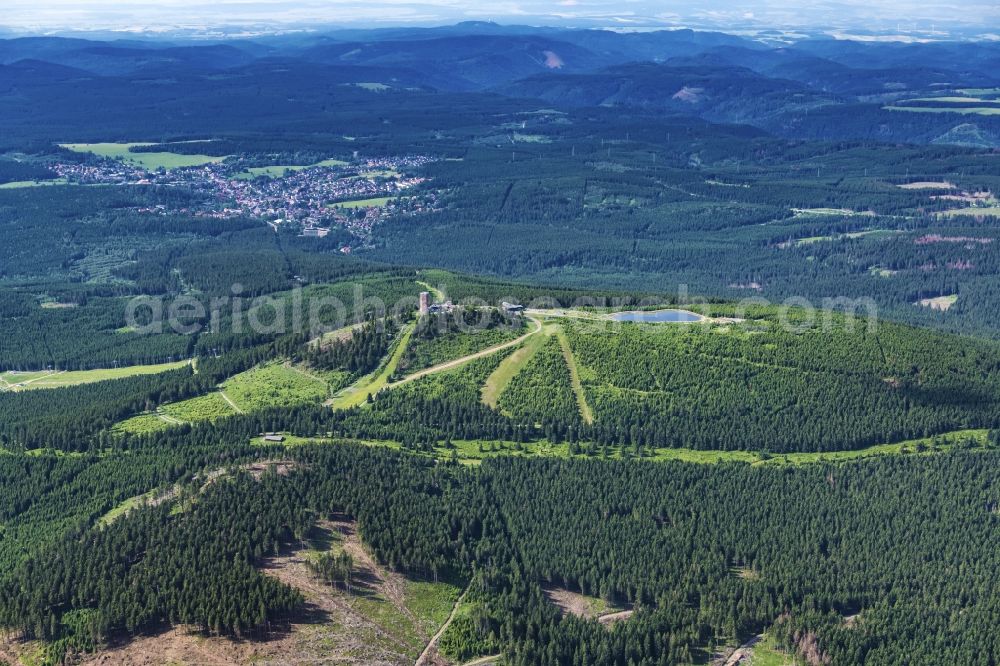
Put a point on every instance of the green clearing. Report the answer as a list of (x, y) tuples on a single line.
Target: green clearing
[(941, 303), (33, 183), (426, 353), (543, 388), (376, 202), (342, 334), (586, 413), (501, 378), (878, 271), (580, 604), (374, 87), (141, 424), (407, 620), (274, 385), (802, 212), (206, 407), (282, 170), (766, 653), (24, 381), (473, 452), (949, 100), (850, 235), (439, 295), (977, 110), (334, 379), (271, 385), (372, 383), (123, 508), (991, 211), (531, 138), (979, 92), (152, 161)]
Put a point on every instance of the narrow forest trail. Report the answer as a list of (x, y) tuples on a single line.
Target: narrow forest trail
[(744, 651), (20, 386), (231, 403), (358, 392), (305, 373), (438, 294), (482, 661), (574, 375), (500, 379), (611, 618), (423, 659), (169, 419)]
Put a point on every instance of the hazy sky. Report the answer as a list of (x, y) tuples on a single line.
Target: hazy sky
[(132, 14)]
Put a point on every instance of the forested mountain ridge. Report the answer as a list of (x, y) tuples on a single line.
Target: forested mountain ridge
[(745, 543), (499, 344)]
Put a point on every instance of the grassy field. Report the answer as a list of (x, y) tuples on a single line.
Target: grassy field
[(513, 364), (274, 385), (439, 296), (976, 110), (406, 611), (979, 92), (281, 170), (152, 161), (765, 653), (376, 381), (124, 508), (424, 353), (928, 185), (141, 424), (202, 408), (33, 183), (974, 211), (473, 452), (586, 413), (374, 87), (941, 303), (375, 202), (271, 385), (946, 100), (854, 234), (24, 381), (805, 212)]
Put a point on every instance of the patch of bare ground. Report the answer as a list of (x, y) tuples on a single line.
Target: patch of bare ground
[(740, 656), (431, 656), (967, 197), (939, 303), (13, 649), (929, 185), (181, 646), (255, 469), (280, 467), (747, 573), (613, 618), (581, 605), (369, 625)]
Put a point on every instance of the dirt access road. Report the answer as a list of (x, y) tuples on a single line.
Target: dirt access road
[(454, 363)]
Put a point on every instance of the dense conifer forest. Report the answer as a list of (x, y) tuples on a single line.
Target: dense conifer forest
[(227, 417)]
